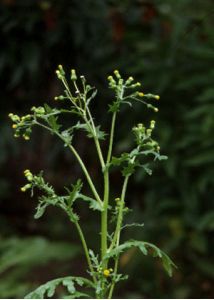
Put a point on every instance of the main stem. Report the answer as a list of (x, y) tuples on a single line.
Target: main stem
[(104, 215)]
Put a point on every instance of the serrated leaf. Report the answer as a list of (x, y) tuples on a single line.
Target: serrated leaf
[(93, 204), (51, 118), (115, 106), (74, 193), (144, 247), (67, 137)]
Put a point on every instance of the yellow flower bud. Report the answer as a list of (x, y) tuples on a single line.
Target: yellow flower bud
[(26, 137), (26, 187), (140, 94), (117, 74), (14, 126), (106, 273), (157, 97)]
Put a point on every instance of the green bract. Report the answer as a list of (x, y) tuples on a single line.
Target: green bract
[(102, 267)]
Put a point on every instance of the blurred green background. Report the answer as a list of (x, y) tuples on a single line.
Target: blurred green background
[(169, 47)]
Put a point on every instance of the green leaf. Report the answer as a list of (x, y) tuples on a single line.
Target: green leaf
[(67, 137), (51, 118), (115, 106), (93, 204), (144, 247), (74, 193), (147, 169), (48, 289), (40, 210)]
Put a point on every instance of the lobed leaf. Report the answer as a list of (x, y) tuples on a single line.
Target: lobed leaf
[(144, 247), (48, 289)]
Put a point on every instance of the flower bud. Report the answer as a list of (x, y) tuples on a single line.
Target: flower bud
[(129, 80), (152, 124), (117, 74), (106, 272), (73, 75)]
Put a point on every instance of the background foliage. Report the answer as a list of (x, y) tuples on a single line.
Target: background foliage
[(168, 46)]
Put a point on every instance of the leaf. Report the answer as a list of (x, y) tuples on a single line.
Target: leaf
[(74, 193), (144, 247), (100, 133), (91, 97), (147, 169), (93, 204), (132, 225), (48, 289), (67, 136), (51, 118), (40, 210), (115, 106), (77, 295)]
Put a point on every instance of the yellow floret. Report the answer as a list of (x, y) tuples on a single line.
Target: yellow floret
[(106, 273)]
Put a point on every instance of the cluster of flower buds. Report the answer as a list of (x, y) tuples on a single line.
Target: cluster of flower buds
[(29, 177), (107, 272), (38, 111), (60, 72), (143, 136), (104, 272), (148, 96), (119, 82), (21, 125)]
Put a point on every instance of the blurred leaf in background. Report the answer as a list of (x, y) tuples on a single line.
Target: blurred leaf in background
[(19, 258)]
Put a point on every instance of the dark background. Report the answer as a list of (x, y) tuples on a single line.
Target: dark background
[(169, 47)]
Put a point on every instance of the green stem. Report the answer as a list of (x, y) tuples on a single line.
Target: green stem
[(104, 216), (97, 144), (85, 171), (116, 238), (88, 177), (120, 213), (111, 137), (85, 247)]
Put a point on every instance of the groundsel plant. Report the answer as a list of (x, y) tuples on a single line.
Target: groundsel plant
[(102, 270)]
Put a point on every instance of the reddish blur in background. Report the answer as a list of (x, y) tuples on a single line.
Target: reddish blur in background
[(169, 47)]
